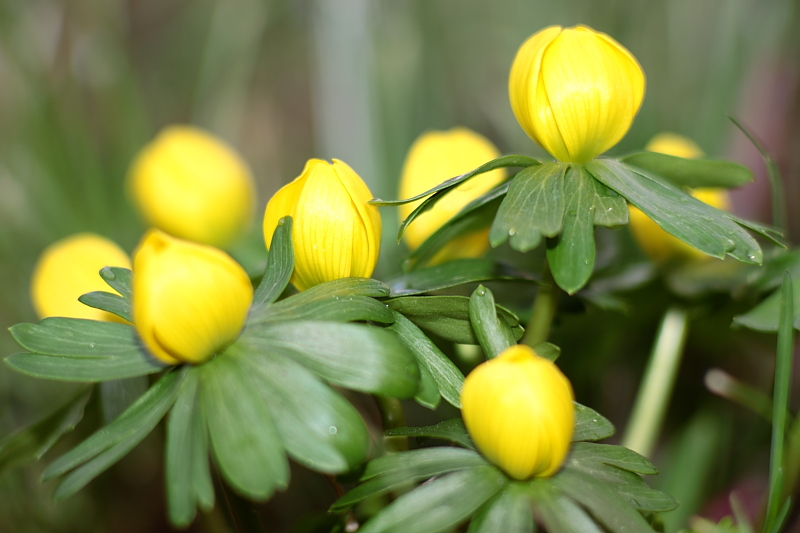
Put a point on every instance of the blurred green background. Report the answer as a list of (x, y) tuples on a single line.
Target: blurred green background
[(85, 83)]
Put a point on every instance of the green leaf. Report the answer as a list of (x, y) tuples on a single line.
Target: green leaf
[(119, 279), (108, 445), (451, 430), (454, 273), (691, 172), (710, 230), (590, 425), (547, 350), (246, 444), (335, 308), (439, 504), (111, 303), (557, 512), (428, 392), (494, 335), (394, 471), (571, 254), (765, 316), (610, 209), (617, 456), (356, 356), (647, 499), (509, 511), (186, 457), (534, 206), (32, 442), (280, 265), (444, 372), (118, 394)]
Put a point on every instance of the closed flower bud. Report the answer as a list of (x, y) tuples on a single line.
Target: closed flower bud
[(194, 186), (70, 268), (335, 232), (190, 300), (575, 91), (518, 409), (433, 158), (659, 245)]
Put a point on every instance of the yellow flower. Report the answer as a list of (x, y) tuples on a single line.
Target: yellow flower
[(659, 245), (335, 232), (575, 91), (194, 186), (433, 158), (518, 410), (70, 268), (190, 300)]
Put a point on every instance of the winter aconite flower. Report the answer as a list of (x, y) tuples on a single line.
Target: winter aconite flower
[(189, 300), (659, 245), (433, 158), (335, 232), (518, 410), (70, 268), (575, 91), (194, 186)]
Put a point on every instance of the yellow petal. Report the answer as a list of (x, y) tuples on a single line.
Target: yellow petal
[(70, 268), (433, 158), (189, 300), (192, 185), (518, 409)]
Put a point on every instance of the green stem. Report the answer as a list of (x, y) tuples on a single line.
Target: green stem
[(543, 311), (659, 380), (393, 417)]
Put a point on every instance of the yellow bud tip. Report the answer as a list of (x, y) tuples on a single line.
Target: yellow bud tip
[(335, 232), (518, 409), (433, 158), (575, 91), (69, 268), (193, 185), (190, 301)]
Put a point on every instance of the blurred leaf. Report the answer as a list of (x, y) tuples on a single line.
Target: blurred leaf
[(510, 511), (694, 279), (246, 444), (112, 303), (691, 172), (356, 356), (557, 512), (280, 265), (118, 394), (448, 378), (120, 279), (770, 275), (391, 472), (765, 316), (451, 430), (590, 425), (742, 520), (534, 206), (454, 273), (571, 254), (494, 334), (186, 457), (109, 444), (549, 351), (32, 442), (439, 504)]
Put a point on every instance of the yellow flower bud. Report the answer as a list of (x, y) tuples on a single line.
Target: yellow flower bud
[(190, 300), (70, 268), (659, 245), (433, 158), (518, 409), (335, 232), (194, 186), (575, 91)]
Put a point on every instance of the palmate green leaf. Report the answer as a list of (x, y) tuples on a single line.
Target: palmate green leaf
[(590, 425), (120, 279), (454, 273), (355, 356), (439, 504), (557, 512), (32, 442), (691, 172), (493, 333), (451, 430), (510, 511), (617, 456), (112, 303), (280, 264), (448, 316), (548, 350), (118, 394), (108, 445), (73, 349)]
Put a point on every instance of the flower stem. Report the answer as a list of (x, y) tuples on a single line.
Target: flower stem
[(393, 417), (543, 311), (659, 380)]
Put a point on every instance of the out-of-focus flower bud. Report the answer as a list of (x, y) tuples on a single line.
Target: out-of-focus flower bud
[(659, 245), (190, 300), (70, 268), (518, 409), (433, 158), (194, 186), (575, 91), (335, 232)]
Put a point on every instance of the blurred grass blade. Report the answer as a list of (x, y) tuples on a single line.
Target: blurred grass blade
[(742, 520), (723, 384), (280, 264)]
